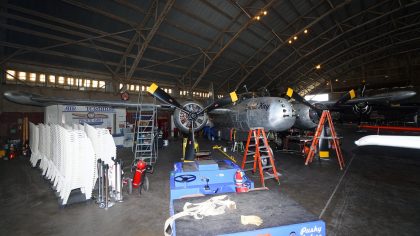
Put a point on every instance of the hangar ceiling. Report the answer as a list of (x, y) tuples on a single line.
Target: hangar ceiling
[(191, 44)]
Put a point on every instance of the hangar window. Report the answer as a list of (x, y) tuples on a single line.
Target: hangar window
[(142, 88), (70, 81), (87, 83), (94, 83), (32, 77), (137, 88), (51, 78), (323, 97), (61, 79), (42, 78), (22, 75), (170, 91), (10, 74), (102, 84), (79, 82)]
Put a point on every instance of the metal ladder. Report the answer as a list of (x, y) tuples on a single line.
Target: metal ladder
[(146, 147), (326, 116), (257, 148)]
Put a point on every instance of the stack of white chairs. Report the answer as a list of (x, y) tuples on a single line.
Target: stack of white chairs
[(45, 148), (69, 155), (105, 149), (34, 143)]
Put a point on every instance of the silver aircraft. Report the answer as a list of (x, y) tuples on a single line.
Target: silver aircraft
[(307, 113), (270, 113)]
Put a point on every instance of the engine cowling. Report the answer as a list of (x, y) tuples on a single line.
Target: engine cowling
[(306, 117), (183, 121), (362, 108)]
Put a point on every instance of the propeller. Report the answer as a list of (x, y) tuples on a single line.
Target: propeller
[(159, 93), (192, 116), (364, 104), (347, 96), (220, 103), (323, 143), (291, 94), (343, 99)]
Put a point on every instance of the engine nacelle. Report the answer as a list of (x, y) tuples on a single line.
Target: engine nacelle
[(183, 122), (306, 117)]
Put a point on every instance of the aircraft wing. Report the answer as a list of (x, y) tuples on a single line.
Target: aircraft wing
[(220, 111), (380, 99), (384, 97), (39, 100)]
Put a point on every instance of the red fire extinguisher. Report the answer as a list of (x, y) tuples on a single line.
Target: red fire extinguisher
[(239, 182), (138, 175)]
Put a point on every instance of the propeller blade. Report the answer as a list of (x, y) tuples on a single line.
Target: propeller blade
[(220, 102), (190, 149), (159, 93), (347, 96), (363, 89), (291, 94)]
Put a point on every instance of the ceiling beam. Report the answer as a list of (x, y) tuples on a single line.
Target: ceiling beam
[(284, 43), (134, 39), (90, 46), (149, 37), (78, 57), (374, 53), (183, 29), (370, 40), (125, 21), (329, 41), (212, 44), (114, 40), (231, 40), (361, 60), (210, 24), (268, 43), (319, 37)]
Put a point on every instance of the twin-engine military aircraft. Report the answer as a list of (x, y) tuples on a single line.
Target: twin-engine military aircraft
[(271, 113)]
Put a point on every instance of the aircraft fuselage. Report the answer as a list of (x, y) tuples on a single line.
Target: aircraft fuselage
[(270, 113)]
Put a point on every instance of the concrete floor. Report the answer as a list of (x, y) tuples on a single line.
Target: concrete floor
[(380, 194)]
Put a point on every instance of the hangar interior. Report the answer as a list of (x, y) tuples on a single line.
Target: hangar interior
[(113, 113)]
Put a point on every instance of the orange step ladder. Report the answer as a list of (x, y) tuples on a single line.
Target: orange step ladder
[(326, 115), (259, 152)]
